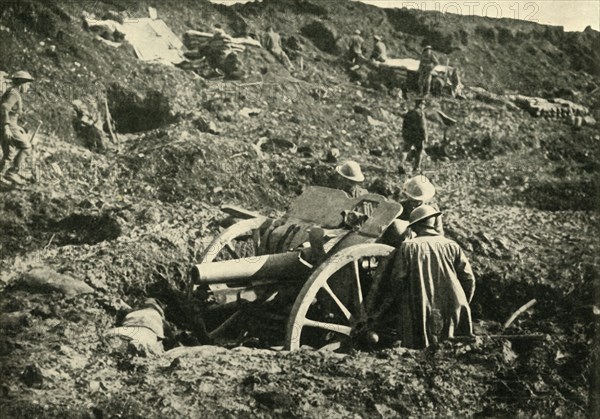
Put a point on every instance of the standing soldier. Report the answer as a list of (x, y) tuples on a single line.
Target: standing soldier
[(15, 144), (414, 133), (426, 66), (433, 285)]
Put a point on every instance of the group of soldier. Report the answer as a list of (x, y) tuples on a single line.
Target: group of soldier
[(427, 64), (425, 263), (431, 277)]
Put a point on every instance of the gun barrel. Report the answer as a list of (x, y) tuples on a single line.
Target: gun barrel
[(281, 266)]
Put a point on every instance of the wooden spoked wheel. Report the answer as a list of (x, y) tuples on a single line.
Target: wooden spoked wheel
[(238, 241), (335, 302)]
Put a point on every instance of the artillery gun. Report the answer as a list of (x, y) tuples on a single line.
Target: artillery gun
[(328, 289)]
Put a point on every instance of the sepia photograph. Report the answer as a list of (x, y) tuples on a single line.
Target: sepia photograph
[(299, 209)]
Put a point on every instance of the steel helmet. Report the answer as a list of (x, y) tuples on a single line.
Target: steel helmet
[(419, 188), (23, 76), (422, 213), (357, 32), (427, 47), (351, 170)]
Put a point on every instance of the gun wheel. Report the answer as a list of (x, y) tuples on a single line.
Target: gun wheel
[(236, 242), (335, 302)]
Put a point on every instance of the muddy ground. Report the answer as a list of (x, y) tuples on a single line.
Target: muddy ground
[(520, 196)]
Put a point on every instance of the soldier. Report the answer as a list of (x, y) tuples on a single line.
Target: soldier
[(379, 50), (273, 44), (416, 192), (144, 328), (15, 144), (426, 66), (433, 285), (355, 54), (350, 176), (414, 133)]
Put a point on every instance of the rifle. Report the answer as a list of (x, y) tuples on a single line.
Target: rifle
[(32, 159)]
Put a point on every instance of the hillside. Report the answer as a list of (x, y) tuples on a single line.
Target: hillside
[(520, 196)]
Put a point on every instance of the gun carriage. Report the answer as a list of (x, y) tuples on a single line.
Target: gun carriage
[(323, 262)]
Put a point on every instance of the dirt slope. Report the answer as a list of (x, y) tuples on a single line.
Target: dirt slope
[(521, 198)]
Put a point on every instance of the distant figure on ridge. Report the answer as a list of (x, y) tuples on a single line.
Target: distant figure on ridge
[(273, 45), (379, 50), (426, 66), (414, 134), (355, 54)]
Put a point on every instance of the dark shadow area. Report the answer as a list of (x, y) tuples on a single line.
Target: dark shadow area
[(134, 112), (78, 229)]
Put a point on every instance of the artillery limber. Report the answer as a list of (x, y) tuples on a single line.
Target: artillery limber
[(323, 261)]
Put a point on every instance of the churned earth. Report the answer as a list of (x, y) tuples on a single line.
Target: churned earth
[(519, 194)]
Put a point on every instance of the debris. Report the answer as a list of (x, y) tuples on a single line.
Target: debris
[(248, 112), (56, 169), (206, 126), (109, 122), (195, 39), (448, 121), (150, 37), (517, 313), (552, 108), (333, 154), (375, 123), (45, 280), (89, 126), (274, 143), (14, 321), (359, 109), (377, 151), (239, 212)]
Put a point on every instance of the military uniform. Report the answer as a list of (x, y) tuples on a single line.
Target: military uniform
[(379, 52), (273, 44), (355, 51), (16, 148), (426, 66), (414, 130), (435, 284)]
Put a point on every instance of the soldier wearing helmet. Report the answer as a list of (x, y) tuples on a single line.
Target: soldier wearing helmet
[(416, 192), (433, 285), (13, 138), (349, 179)]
